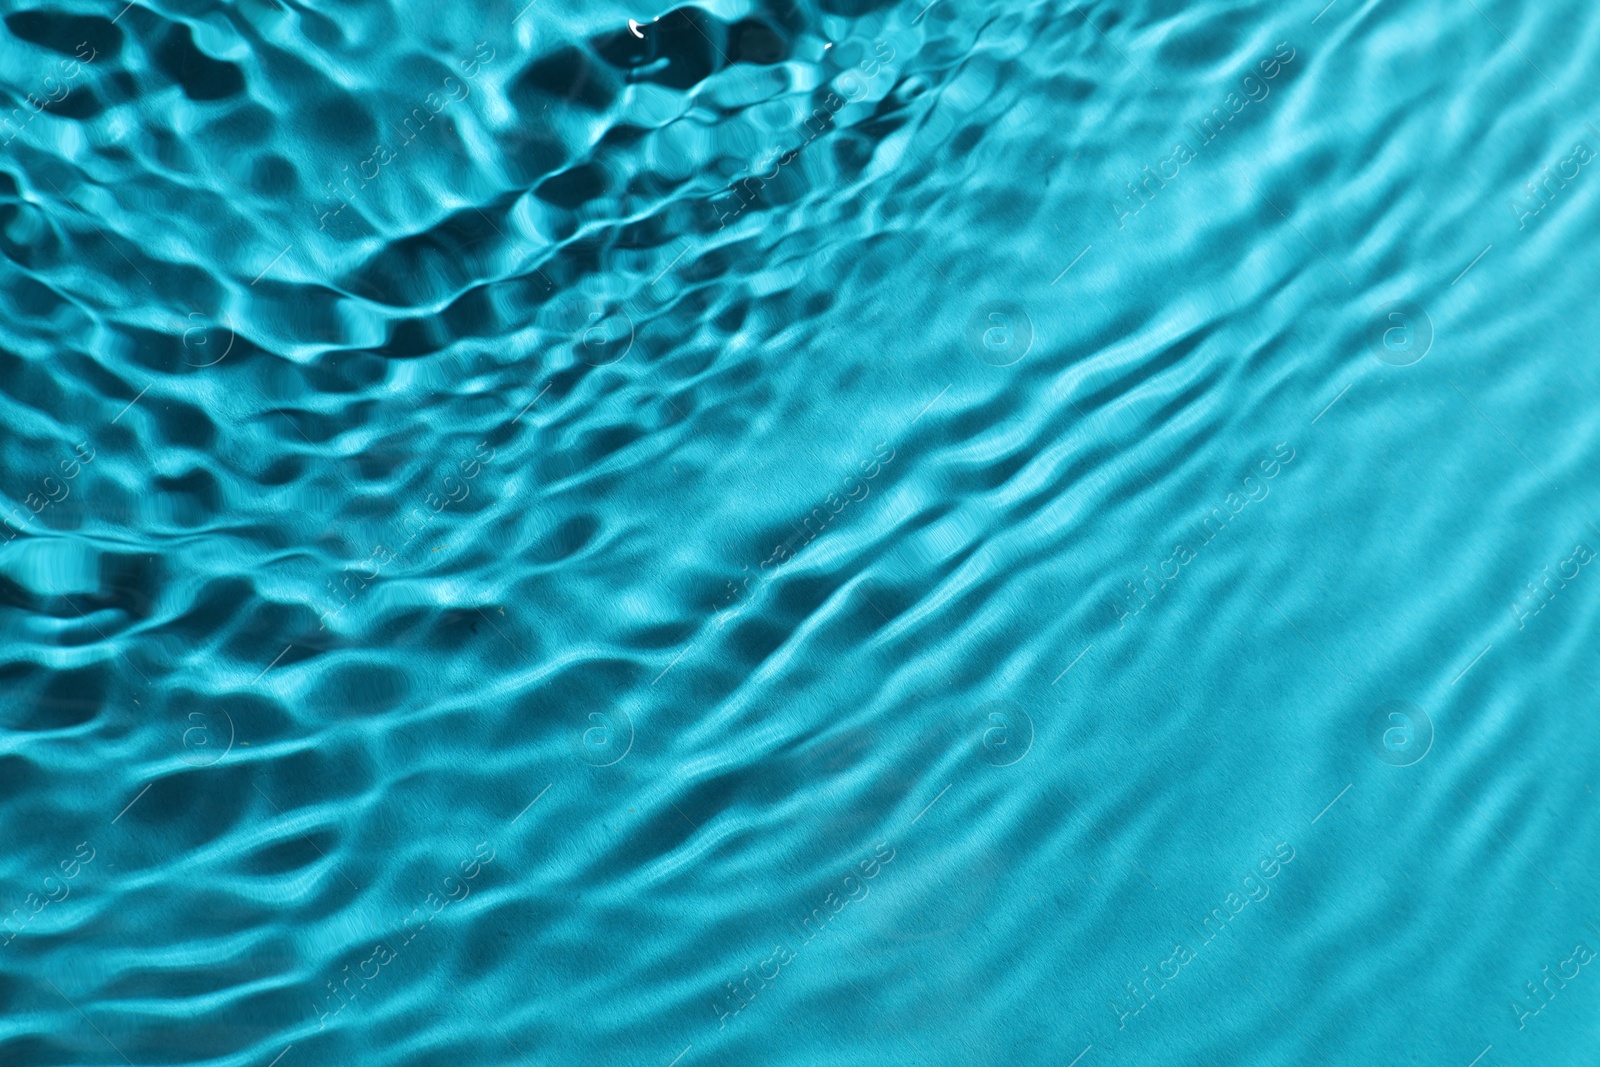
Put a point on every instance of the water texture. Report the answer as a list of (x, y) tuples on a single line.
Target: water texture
[(986, 532)]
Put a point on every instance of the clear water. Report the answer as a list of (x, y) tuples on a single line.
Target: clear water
[(978, 533)]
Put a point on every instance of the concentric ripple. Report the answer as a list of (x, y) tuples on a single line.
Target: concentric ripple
[(798, 533)]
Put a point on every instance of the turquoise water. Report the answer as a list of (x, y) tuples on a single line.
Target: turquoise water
[(967, 533)]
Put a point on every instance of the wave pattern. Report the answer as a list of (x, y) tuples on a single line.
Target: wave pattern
[(966, 533)]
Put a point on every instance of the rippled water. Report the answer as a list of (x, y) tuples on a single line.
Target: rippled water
[(977, 533)]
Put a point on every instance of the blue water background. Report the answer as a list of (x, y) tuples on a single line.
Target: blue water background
[(977, 533)]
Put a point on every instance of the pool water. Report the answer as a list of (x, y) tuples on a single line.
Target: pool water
[(802, 534)]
